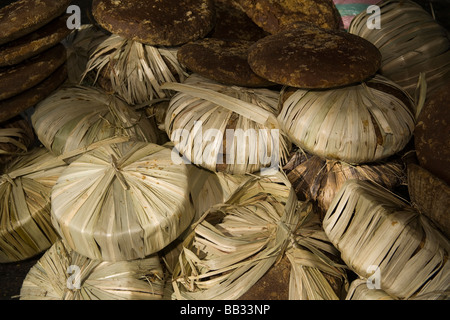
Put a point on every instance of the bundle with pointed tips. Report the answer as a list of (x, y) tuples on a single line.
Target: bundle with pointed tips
[(50, 278)]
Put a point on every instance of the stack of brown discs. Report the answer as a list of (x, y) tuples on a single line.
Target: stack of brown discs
[(138, 57), (31, 56)]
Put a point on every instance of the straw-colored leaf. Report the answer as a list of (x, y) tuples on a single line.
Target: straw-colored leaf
[(25, 221), (74, 117), (363, 289), (225, 128), (122, 201), (355, 124), (318, 179), (373, 228), (63, 274), (134, 70), (235, 243), (411, 42)]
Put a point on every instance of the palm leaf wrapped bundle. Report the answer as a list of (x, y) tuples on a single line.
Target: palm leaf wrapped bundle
[(25, 219), (76, 117), (63, 274), (310, 269), (225, 128), (410, 41), (122, 201), (133, 70), (357, 124), (138, 57), (318, 179), (237, 242), (373, 228)]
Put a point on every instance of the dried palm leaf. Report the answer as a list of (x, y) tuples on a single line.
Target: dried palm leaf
[(207, 189), (357, 124), (430, 196), (63, 274), (359, 290), (75, 116), (135, 70), (25, 221), (16, 137), (210, 188), (410, 41), (318, 179), (122, 201), (80, 44), (310, 269), (235, 244), (225, 128), (373, 228)]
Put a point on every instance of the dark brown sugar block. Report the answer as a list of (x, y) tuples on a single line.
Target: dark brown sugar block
[(430, 195), (12, 107), (314, 58), (233, 23), (16, 51), (153, 22), (432, 133), (23, 76), (275, 15), (25, 16), (224, 61)]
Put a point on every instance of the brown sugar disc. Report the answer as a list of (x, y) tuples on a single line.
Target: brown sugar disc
[(154, 22), (34, 43), (12, 107), (275, 15), (224, 61), (25, 16), (23, 76), (430, 195), (233, 23), (432, 133), (314, 58)]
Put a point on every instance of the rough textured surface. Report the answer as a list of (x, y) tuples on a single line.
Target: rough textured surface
[(432, 132), (34, 43), (25, 16), (224, 61), (13, 106), (233, 23), (18, 78), (275, 15), (430, 195), (310, 57), (154, 22), (274, 285)]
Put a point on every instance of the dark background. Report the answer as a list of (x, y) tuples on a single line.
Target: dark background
[(12, 274)]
